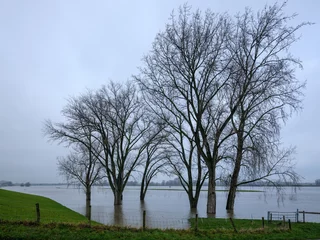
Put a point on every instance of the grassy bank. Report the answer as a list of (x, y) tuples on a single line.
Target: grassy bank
[(27, 230), (253, 229), (17, 221), (16, 206)]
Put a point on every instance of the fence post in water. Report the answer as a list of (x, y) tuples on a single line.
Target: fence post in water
[(284, 220), (262, 222), (196, 223), (144, 220), (38, 212), (234, 227), (289, 224), (304, 216)]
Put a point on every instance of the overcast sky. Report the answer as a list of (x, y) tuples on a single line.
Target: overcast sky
[(50, 50)]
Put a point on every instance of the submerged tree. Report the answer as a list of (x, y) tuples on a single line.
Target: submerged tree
[(81, 167), (267, 89), (115, 116), (185, 162), (116, 113), (153, 163), (221, 90), (182, 75), (227, 81)]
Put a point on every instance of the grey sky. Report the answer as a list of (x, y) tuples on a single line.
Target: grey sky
[(50, 50)]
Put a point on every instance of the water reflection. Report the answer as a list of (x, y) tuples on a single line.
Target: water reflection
[(143, 206), (118, 216), (193, 212), (211, 215), (230, 214)]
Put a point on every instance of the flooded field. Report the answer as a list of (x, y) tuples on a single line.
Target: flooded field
[(169, 207)]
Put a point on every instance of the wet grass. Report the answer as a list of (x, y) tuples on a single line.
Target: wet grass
[(253, 229), (220, 230)]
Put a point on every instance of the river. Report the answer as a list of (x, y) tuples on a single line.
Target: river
[(169, 207)]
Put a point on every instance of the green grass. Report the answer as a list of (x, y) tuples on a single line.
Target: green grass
[(252, 229), (63, 231), (16, 206), (222, 230)]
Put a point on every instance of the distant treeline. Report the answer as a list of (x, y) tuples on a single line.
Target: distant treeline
[(174, 182), (9, 184)]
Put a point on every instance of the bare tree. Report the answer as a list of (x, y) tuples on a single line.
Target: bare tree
[(275, 167), (81, 167), (117, 115), (266, 88), (186, 162), (182, 75), (153, 163), (114, 114)]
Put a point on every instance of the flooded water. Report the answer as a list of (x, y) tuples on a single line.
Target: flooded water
[(169, 207)]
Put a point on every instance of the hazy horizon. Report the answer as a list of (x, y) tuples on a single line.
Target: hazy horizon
[(51, 50)]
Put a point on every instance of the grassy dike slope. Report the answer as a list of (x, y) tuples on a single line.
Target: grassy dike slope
[(17, 215), (16, 206)]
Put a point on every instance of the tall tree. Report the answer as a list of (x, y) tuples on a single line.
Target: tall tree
[(265, 85), (182, 75), (117, 115)]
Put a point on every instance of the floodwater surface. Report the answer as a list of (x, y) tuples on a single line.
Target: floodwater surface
[(169, 207)]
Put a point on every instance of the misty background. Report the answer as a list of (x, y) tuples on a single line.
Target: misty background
[(51, 50)]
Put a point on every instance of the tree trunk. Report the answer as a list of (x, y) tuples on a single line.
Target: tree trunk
[(211, 201), (142, 192), (118, 188), (193, 202), (197, 195), (231, 197), (118, 216), (117, 197), (235, 175), (88, 203), (233, 188)]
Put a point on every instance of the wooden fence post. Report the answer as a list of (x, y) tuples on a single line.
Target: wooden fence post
[(304, 216), (89, 217), (38, 212), (284, 220), (234, 227), (262, 222), (196, 223), (289, 224), (270, 217), (144, 220)]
